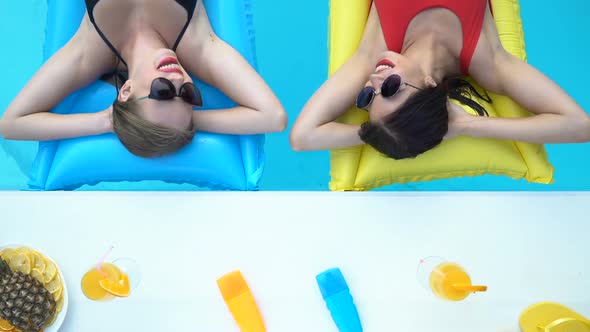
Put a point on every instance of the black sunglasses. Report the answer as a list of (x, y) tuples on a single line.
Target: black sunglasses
[(163, 89), (389, 88)]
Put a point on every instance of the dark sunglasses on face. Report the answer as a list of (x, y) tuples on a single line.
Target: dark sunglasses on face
[(163, 89), (390, 87)]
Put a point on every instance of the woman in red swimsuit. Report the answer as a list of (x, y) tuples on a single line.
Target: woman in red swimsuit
[(412, 53)]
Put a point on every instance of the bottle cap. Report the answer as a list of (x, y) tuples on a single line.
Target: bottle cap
[(331, 282), (232, 285)]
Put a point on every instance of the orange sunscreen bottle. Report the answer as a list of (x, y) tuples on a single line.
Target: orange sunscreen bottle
[(240, 302)]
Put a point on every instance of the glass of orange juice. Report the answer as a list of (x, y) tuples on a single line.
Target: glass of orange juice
[(108, 280), (447, 280)]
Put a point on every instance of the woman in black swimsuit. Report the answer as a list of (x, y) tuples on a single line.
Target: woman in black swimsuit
[(153, 112)]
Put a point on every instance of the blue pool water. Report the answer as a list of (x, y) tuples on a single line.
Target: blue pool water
[(292, 58)]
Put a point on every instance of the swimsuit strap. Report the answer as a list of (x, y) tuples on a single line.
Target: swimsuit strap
[(90, 4), (189, 5), (395, 17)]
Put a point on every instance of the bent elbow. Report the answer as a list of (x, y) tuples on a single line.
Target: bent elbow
[(295, 143), (275, 119), (4, 131), (280, 121), (297, 140), (295, 146), (584, 131)]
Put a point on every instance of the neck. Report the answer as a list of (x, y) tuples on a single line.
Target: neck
[(141, 42), (435, 58)]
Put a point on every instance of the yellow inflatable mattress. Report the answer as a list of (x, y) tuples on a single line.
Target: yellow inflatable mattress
[(362, 168)]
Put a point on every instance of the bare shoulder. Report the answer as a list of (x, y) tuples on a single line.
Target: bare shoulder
[(373, 42), (91, 50), (485, 59), (79, 62), (198, 34)]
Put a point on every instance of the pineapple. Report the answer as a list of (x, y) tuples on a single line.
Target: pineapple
[(24, 302)]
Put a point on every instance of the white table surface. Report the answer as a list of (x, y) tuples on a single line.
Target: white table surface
[(527, 247)]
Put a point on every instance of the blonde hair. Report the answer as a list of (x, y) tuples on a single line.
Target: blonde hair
[(143, 138)]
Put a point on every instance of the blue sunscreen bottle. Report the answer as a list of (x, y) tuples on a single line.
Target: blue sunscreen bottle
[(339, 301)]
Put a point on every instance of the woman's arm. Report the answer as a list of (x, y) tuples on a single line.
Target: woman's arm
[(71, 68), (558, 119), (316, 127), (217, 63)]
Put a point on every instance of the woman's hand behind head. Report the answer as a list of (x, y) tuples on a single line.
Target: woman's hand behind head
[(459, 119), (107, 116)]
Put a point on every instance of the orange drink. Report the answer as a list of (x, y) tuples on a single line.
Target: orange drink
[(91, 282), (447, 280), (105, 281), (450, 282)]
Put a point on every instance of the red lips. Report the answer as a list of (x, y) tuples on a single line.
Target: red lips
[(386, 62), (169, 61)]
